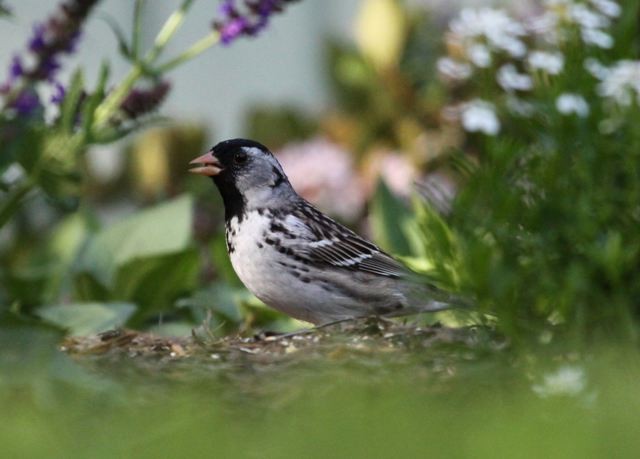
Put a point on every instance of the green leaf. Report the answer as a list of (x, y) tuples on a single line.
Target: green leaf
[(63, 246), (438, 237), (26, 149), (88, 318), (162, 230), (94, 100), (440, 254), (123, 46), (220, 257), (389, 218), (222, 299), (155, 283), (88, 288), (69, 109)]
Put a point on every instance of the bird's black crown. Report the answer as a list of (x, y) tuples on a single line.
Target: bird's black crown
[(232, 146)]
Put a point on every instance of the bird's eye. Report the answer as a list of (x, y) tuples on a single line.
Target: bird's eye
[(241, 158)]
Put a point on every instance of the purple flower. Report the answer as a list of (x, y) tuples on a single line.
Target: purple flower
[(56, 36), (233, 29), (37, 42), (59, 92), (16, 70), (50, 40), (227, 8), (255, 18), (26, 102), (142, 101), (48, 68)]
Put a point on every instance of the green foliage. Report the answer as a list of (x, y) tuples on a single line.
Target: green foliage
[(164, 229), (146, 259), (125, 273), (389, 221), (543, 234), (420, 236), (549, 221), (444, 402), (49, 149)]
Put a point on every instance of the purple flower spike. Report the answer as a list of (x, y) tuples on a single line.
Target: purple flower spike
[(26, 102), (140, 102), (54, 37), (49, 42), (253, 19)]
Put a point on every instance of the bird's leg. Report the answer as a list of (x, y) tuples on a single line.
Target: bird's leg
[(311, 330)]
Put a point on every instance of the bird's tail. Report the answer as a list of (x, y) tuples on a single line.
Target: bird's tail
[(429, 298)]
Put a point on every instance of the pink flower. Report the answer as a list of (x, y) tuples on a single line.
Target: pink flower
[(323, 173), (394, 168)]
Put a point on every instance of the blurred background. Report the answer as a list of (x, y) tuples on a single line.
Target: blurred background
[(493, 147)]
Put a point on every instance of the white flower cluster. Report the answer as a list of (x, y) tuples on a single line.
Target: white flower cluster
[(549, 62), (621, 83), (480, 116), (482, 38), (476, 35), (454, 69), (510, 79), (572, 104), (591, 18), (488, 29)]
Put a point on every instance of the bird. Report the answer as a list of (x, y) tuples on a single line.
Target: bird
[(295, 258)]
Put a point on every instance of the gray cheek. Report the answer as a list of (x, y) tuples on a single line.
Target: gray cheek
[(253, 177)]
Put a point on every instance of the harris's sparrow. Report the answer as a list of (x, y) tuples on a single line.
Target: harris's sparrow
[(296, 259)]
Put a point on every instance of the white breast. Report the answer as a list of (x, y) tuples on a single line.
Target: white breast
[(246, 255), (257, 265), (256, 262)]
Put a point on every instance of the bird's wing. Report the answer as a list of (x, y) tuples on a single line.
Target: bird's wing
[(325, 242)]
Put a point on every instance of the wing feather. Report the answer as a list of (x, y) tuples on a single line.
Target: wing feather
[(328, 243)]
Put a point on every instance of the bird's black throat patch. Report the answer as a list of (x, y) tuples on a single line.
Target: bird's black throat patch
[(234, 202)]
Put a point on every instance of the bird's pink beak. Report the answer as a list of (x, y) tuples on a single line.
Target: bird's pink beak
[(206, 164)]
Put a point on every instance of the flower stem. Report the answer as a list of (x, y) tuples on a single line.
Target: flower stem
[(112, 102), (168, 30), (137, 26), (193, 51)]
